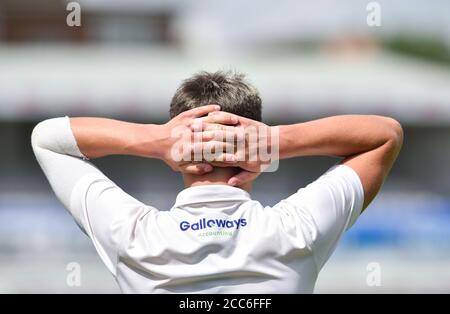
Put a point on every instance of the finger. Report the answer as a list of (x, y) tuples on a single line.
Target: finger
[(222, 160), (218, 117), (208, 151), (212, 147), (243, 177), (202, 126), (200, 111), (198, 169), (223, 164), (241, 120), (221, 117), (220, 135)]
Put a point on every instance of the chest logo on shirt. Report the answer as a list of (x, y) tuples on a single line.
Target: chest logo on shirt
[(221, 226)]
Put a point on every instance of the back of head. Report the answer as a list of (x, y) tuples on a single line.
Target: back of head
[(229, 90)]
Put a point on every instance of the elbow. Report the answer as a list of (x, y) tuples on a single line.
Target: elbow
[(395, 132), (41, 134), (36, 135)]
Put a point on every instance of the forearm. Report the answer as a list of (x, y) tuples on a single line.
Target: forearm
[(341, 136), (98, 137)]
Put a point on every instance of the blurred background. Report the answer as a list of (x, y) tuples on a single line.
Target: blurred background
[(309, 59)]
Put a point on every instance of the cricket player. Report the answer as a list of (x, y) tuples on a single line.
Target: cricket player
[(216, 238)]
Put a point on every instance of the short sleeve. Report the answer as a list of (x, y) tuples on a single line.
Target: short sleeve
[(328, 206), (103, 210), (106, 214)]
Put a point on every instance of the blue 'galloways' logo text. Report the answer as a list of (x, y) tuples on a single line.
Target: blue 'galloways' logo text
[(205, 223)]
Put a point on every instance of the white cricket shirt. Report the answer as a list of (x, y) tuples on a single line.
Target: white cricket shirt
[(215, 239)]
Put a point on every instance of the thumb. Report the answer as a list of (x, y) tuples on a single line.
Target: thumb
[(243, 177), (197, 169)]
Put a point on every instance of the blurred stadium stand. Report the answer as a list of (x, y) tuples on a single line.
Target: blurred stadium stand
[(127, 59)]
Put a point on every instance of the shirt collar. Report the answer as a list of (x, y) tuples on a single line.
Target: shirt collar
[(210, 193)]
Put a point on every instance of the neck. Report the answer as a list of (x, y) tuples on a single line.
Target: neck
[(219, 176)]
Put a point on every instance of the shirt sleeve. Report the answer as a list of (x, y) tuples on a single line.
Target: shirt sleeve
[(101, 209), (326, 208)]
